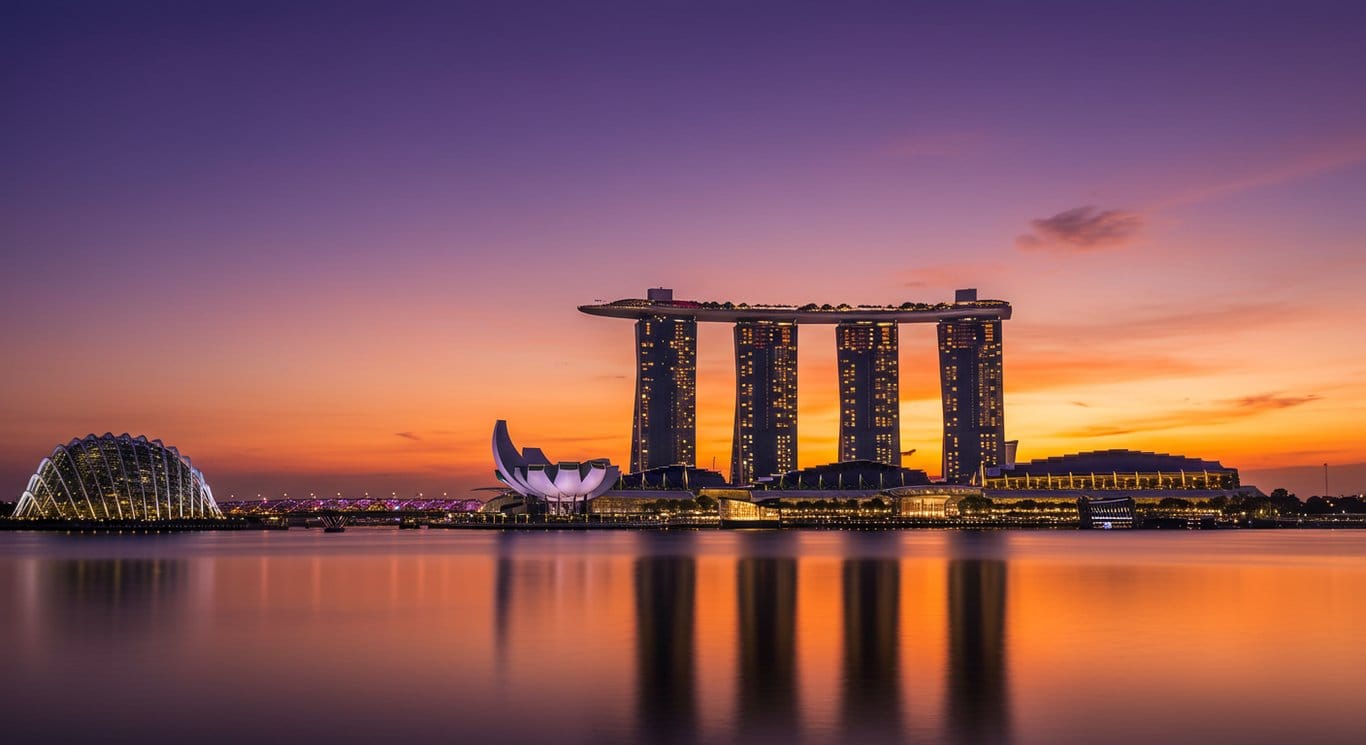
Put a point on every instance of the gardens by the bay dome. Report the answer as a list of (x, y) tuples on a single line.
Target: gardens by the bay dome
[(117, 478)]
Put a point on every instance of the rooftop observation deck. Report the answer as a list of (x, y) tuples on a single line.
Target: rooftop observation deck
[(662, 303)]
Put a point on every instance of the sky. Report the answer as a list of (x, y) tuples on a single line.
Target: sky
[(322, 247)]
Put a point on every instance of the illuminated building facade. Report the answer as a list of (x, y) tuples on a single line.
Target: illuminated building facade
[(765, 439), (870, 401), (970, 384), (1110, 470), (117, 478), (765, 433), (665, 429), (845, 475), (1113, 512)]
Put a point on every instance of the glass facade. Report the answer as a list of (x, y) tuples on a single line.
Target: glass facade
[(765, 436), (870, 405), (1113, 470), (970, 384), (765, 440), (117, 478), (665, 422)]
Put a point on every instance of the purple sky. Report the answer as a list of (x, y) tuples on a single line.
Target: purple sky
[(280, 234)]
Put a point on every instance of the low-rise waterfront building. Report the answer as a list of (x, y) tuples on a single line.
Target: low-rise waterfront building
[(1102, 470), (1112, 512), (852, 475)]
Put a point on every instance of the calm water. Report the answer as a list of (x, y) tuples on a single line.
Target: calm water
[(819, 637)]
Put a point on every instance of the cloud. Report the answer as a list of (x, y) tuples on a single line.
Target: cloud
[(1271, 401), (1162, 323), (1033, 370), (937, 145), (1326, 158), (959, 274), (1227, 410), (408, 436), (1081, 229)]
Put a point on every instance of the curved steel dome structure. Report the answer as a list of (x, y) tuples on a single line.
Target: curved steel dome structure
[(117, 478)]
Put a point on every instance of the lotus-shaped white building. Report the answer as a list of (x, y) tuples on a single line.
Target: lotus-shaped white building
[(565, 486), (117, 478)]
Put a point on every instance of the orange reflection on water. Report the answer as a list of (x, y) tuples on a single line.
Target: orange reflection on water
[(688, 637)]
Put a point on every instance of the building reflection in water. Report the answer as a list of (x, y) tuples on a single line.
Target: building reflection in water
[(977, 700), (97, 598), (503, 576), (766, 605), (871, 699), (665, 592)]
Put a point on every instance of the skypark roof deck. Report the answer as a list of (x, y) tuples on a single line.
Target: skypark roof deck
[(663, 304)]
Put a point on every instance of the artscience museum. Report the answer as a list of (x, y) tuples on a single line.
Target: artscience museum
[(564, 488)]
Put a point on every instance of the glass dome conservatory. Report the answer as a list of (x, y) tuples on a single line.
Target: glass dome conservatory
[(117, 478)]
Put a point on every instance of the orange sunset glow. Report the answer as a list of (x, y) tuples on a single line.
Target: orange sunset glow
[(355, 315)]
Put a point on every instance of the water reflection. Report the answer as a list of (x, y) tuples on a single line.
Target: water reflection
[(665, 595), (105, 598), (976, 681), (503, 571), (766, 606), (807, 638), (871, 691)]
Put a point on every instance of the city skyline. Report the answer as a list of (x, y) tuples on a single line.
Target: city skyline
[(765, 439), (324, 259)]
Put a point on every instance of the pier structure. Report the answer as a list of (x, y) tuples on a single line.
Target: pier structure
[(664, 422)]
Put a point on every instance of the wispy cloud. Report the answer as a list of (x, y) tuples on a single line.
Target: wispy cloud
[(408, 436), (1330, 157), (1270, 402), (959, 274), (1221, 412), (937, 145), (1082, 229), (1148, 323), (1031, 371)]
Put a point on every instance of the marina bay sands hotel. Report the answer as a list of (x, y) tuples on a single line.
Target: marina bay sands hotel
[(765, 440)]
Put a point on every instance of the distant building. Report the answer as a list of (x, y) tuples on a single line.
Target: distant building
[(635, 502), (1113, 469), (1143, 476), (671, 477), (857, 475), (765, 439), (870, 400), (934, 502), (971, 386), (1114, 512), (741, 513), (117, 478)]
